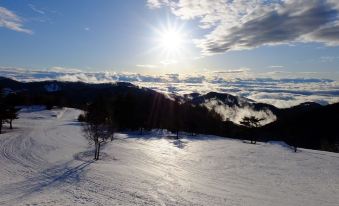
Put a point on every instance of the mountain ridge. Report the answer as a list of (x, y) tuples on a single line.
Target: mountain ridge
[(289, 124)]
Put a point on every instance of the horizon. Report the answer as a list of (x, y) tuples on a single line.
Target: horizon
[(280, 92)]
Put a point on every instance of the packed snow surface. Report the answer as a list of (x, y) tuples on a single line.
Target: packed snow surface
[(45, 160)]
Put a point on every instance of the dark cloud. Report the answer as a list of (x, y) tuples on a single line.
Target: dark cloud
[(289, 24), (328, 35)]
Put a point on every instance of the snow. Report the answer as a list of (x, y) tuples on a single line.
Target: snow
[(45, 160)]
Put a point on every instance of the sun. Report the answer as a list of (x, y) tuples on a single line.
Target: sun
[(171, 41), (171, 45)]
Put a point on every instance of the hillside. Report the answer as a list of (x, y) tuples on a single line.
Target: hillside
[(77, 94), (309, 125), (46, 161)]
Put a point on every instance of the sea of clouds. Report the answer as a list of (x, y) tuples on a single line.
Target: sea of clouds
[(281, 92)]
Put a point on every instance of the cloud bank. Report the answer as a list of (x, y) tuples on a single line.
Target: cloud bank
[(236, 114), (243, 24), (281, 92)]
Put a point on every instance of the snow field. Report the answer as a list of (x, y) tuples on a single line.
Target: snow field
[(45, 160)]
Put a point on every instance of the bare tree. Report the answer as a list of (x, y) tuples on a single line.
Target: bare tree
[(11, 114), (98, 124), (251, 122), (97, 133)]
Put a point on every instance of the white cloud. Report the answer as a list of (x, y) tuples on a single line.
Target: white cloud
[(243, 24), (151, 66), (281, 89), (63, 70), (276, 66), (232, 71), (236, 114), (10, 20), (35, 9), (156, 3)]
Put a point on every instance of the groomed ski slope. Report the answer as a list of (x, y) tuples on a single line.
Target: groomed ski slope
[(46, 161)]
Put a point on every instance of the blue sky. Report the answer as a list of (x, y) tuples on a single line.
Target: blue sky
[(285, 37)]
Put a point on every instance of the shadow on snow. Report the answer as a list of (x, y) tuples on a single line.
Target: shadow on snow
[(69, 172)]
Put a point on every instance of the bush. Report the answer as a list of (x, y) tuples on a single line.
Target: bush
[(81, 118)]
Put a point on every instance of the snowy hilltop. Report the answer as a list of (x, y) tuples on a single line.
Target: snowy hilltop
[(46, 161)]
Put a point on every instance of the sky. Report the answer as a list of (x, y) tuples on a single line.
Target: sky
[(127, 35), (190, 45)]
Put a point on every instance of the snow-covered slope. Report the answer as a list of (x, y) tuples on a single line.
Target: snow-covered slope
[(46, 161)]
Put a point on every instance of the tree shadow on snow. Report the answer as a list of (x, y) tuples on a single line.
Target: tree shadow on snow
[(73, 124), (67, 173), (179, 143), (88, 156)]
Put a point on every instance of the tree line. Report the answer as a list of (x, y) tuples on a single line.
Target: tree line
[(132, 111)]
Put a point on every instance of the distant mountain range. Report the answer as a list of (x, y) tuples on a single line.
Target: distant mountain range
[(313, 123), (231, 107)]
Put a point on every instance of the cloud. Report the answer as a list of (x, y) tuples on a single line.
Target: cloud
[(233, 71), (243, 24), (327, 59), (63, 70), (265, 87), (150, 66), (156, 3), (163, 63), (10, 20), (236, 114), (276, 66), (35, 9)]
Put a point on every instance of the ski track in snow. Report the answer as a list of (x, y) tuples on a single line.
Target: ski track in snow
[(46, 161)]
